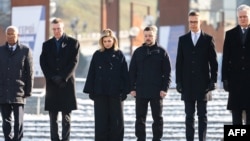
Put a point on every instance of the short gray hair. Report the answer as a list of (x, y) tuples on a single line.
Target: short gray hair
[(11, 27), (243, 7)]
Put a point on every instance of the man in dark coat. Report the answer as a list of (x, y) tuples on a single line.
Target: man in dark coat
[(58, 60), (149, 72), (16, 82), (236, 66), (196, 74)]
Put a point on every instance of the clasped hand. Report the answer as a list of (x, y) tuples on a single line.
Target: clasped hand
[(58, 80), (211, 86)]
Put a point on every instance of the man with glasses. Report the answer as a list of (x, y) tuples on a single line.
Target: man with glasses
[(196, 74)]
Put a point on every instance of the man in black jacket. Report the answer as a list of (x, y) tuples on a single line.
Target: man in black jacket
[(149, 72), (236, 66), (58, 60), (16, 82), (196, 74)]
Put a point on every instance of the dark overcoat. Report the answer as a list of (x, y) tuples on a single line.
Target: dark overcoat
[(196, 65), (108, 74), (236, 68), (62, 63), (16, 74), (149, 71)]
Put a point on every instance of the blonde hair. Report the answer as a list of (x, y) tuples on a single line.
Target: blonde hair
[(108, 33)]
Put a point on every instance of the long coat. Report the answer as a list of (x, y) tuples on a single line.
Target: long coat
[(108, 74), (62, 63), (16, 74), (236, 68), (196, 65), (149, 71)]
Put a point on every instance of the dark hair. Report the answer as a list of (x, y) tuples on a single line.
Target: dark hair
[(193, 13), (151, 28), (56, 21)]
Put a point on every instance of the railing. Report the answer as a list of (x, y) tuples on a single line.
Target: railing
[(40, 92)]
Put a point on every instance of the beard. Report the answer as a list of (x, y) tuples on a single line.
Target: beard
[(149, 43)]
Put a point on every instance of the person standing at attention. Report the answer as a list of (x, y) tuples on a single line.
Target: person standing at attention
[(108, 85), (149, 72), (236, 66), (16, 83), (196, 74), (58, 60)]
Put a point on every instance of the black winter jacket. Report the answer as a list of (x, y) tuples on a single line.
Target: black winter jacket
[(108, 74), (149, 71), (16, 74)]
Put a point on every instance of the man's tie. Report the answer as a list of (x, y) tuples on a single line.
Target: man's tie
[(244, 30), (11, 49), (195, 38)]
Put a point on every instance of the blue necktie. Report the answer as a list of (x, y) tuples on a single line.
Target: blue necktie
[(11, 49), (58, 44)]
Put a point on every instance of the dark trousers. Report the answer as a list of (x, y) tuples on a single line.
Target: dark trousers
[(66, 122), (190, 120), (141, 114), (237, 117), (109, 123), (18, 112)]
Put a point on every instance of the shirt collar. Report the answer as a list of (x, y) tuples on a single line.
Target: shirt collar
[(14, 46), (197, 33)]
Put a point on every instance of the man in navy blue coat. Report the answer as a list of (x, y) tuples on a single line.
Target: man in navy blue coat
[(58, 60)]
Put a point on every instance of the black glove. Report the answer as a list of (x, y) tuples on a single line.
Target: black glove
[(58, 81), (211, 86), (225, 85), (179, 87), (123, 97), (92, 96)]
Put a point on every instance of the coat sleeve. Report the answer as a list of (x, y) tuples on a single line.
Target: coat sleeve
[(29, 74), (166, 69), (124, 76), (90, 81), (43, 61), (133, 72), (225, 58), (179, 61), (213, 61)]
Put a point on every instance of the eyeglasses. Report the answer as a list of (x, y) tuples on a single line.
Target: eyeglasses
[(193, 22)]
